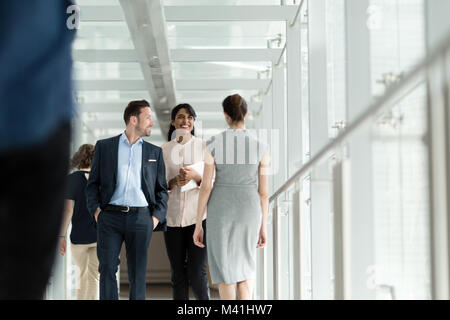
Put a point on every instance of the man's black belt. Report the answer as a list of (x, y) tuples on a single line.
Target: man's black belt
[(124, 209)]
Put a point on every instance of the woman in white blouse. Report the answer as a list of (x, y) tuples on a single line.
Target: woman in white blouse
[(183, 157)]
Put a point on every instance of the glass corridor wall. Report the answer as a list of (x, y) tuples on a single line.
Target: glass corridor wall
[(351, 53)]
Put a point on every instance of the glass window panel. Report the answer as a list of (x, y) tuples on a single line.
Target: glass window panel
[(397, 37), (306, 277), (400, 168), (336, 79), (305, 92), (305, 233)]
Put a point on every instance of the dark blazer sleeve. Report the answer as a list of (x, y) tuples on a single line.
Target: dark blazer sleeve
[(93, 184), (159, 209)]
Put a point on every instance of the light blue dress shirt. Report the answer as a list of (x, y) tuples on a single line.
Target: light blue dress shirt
[(128, 189)]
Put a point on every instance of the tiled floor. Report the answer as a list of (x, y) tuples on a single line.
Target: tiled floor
[(160, 292)]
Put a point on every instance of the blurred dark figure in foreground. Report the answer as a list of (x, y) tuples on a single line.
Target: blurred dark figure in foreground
[(35, 115)]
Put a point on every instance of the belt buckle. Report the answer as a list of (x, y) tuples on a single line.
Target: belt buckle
[(126, 210)]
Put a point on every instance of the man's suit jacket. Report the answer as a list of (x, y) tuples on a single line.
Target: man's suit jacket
[(103, 178)]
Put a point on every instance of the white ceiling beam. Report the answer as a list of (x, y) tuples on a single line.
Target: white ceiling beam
[(105, 125), (219, 123), (221, 84), (101, 13), (88, 31), (107, 107), (206, 55), (114, 124), (113, 85), (111, 55), (103, 107), (146, 22), (229, 13)]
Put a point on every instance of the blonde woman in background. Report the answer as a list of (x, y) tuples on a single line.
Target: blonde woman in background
[(83, 236)]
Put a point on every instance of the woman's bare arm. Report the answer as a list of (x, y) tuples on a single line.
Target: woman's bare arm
[(67, 216), (263, 190), (205, 191)]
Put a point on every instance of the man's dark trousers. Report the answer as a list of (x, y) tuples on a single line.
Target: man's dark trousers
[(135, 228)]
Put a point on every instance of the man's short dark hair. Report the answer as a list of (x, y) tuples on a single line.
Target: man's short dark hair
[(134, 109)]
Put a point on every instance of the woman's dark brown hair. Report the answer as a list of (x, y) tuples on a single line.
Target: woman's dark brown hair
[(83, 157), (235, 107)]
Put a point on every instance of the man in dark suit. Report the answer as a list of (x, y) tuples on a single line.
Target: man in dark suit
[(127, 194)]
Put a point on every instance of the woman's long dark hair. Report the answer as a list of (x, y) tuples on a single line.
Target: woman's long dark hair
[(175, 110)]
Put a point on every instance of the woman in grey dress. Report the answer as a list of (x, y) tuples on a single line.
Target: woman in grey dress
[(237, 203)]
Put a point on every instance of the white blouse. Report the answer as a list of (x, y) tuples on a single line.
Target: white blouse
[(182, 206)]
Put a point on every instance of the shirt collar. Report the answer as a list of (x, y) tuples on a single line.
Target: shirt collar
[(123, 138)]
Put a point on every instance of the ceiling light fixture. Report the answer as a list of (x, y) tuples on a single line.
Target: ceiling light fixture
[(154, 62)]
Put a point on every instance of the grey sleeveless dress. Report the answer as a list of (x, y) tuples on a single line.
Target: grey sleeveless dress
[(234, 207)]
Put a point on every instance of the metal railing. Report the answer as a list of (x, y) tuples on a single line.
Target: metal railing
[(438, 142)]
